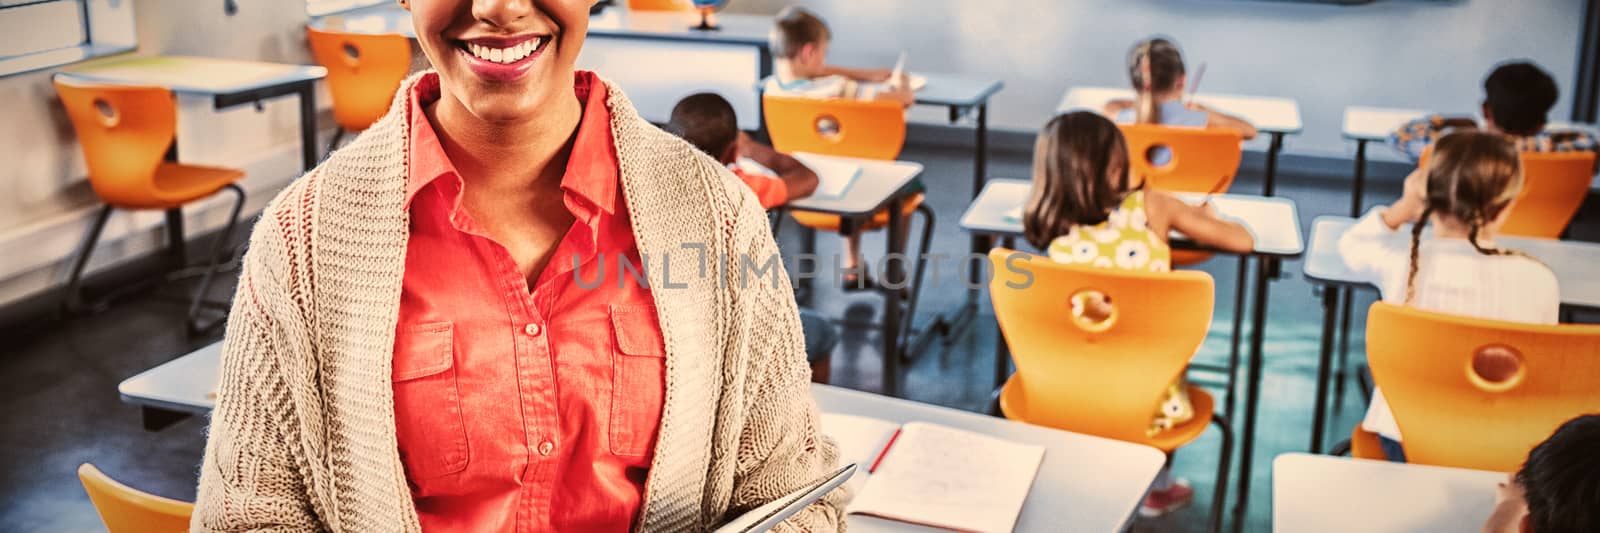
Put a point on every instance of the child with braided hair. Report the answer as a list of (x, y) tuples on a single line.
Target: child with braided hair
[(1463, 193)]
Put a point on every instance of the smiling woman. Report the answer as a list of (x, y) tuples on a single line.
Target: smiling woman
[(410, 348)]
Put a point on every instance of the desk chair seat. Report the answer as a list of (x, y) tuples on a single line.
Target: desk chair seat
[(1365, 445), (176, 184), (126, 133), (1014, 406), (880, 220), (125, 509)]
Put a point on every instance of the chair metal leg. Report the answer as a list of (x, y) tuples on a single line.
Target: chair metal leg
[(196, 328), (1238, 332), (177, 255), (72, 302), (1220, 493), (994, 403), (916, 279)]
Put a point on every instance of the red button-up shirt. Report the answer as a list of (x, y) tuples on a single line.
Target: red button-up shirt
[(519, 409)]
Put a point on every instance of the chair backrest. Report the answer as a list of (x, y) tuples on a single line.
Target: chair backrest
[(125, 132), (835, 126), (1450, 413), (1102, 379), (660, 5), (1554, 186), (128, 510), (1202, 159), (364, 71)]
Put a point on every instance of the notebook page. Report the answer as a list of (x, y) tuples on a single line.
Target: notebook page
[(860, 439), (834, 177), (953, 479)]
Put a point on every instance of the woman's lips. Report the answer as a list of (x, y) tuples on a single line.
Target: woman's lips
[(502, 59)]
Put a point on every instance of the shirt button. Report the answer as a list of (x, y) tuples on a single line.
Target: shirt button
[(533, 330), (546, 447)]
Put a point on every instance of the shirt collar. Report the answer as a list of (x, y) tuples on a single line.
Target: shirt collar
[(592, 171)]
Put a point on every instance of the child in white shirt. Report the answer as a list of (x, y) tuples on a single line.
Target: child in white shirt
[(1465, 192)]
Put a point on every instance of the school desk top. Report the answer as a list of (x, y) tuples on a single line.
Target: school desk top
[(1268, 114), (1084, 484), (1274, 221), (195, 75), (1315, 493), (1574, 262), (1362, 123), (957, 91), (872, 189)]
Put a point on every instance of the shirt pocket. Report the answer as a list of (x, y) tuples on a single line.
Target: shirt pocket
[(427, 402), (638, 363)]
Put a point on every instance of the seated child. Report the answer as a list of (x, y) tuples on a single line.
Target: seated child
[(1517, 98), (1558, 487), (799, 43), (1155, 66), (1083, 211), (1464, 193), (708, 122)]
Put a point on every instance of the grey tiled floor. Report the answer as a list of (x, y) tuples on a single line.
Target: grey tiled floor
[(63, 409)]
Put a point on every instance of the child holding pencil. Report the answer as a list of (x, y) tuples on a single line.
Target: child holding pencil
[(1156, 69)]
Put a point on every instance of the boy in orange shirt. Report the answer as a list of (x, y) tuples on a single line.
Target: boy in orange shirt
[(708, 122)]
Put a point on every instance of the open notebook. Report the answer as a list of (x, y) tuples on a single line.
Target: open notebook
[(776, 511), (935, 476)]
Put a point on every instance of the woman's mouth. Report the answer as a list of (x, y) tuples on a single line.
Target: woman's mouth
[(502, 59)]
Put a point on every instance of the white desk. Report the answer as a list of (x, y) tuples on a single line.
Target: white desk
[(228, 82), (1316, 493), (1572, 261), (1268, 114), (1276, 226), (1084, 484), (652, 56), (881, 185), (1363, 124), (1273, 221), (1274, 116)]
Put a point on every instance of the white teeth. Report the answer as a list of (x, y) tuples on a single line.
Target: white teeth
[(504, 55)]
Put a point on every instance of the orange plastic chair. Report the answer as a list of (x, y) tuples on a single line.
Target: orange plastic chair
[(1203, 161), (1553, 188), (1105, 378), (660, 5), (125, 509), (1453, 416), (125, 133), (364, 72), (841, 127)]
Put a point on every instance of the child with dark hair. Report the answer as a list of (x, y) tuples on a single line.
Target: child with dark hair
[(1558, 488), (1518, 97), (1464, 194), (708, 122)]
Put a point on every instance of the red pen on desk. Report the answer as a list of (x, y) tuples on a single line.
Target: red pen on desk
[(886, 446)]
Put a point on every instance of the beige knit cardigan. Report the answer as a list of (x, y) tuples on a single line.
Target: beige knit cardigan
[(303, 434)]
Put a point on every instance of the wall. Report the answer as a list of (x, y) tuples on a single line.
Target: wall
[(1397, 53), (45, 201)]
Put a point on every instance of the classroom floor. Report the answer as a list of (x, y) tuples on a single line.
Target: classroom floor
[(64, 409)]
